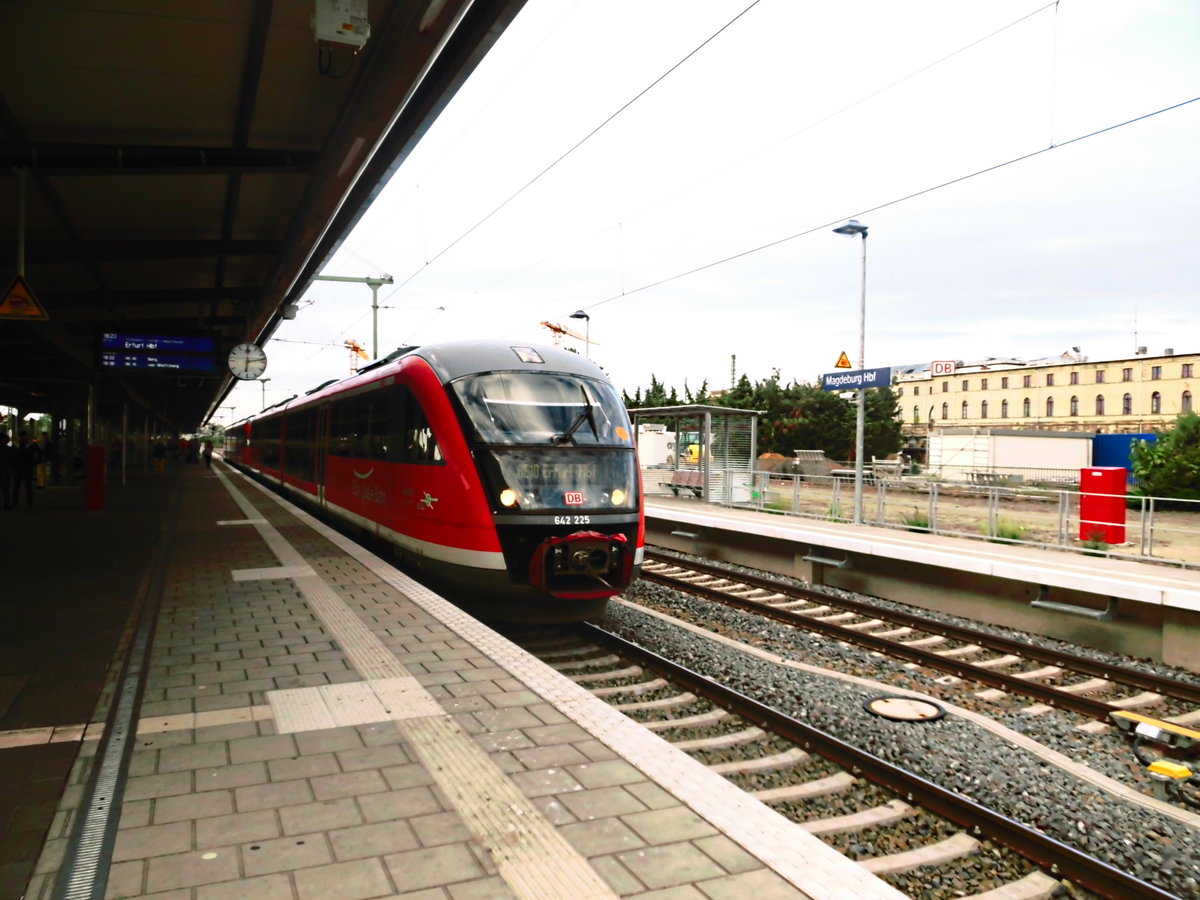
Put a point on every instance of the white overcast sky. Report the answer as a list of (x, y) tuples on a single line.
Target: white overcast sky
[(648, 141)]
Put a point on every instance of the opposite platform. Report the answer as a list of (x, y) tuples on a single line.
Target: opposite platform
[(316, 724)]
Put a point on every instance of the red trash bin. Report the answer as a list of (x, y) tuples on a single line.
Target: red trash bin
[(1102, 504)]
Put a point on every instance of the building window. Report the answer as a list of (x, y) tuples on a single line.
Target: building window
[(1026, 381), (945, 410), (1004, 382), (945, 386), (983, 410), (965, 414), (1127, 374), (1049, 407), (1127, 405), (1074, 378), (1185, 402), (966, 385), (917, 391), (900, 392), (1004, 409), (1186, 371), (983, 384), (1099, 404), (1074, 406), (1099, 376), (1049, 379), (1025, 407), (1155, 373), (1156, 404), (916, 415)]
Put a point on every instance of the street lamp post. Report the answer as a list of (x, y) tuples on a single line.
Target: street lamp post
[(850, 229), (263, 383), (587, 333)]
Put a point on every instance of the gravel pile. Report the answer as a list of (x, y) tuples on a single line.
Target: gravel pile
[(949, 751)]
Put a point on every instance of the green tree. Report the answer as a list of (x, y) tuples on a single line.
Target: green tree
[(1170, 466), (882, 435), (797, 416)]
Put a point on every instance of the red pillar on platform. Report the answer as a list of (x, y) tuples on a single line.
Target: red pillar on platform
[(95, 476)]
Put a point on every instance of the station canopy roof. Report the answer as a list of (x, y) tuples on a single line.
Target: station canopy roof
[(181, 169)]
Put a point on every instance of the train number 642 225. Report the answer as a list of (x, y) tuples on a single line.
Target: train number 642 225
[(572, 520)]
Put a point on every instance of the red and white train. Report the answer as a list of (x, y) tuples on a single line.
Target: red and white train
[(506, 474)]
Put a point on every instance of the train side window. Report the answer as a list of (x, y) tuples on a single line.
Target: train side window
[(266, 439), (378, 416)]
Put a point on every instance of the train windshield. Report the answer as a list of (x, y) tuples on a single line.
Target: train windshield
[(553, 442), (544, 408)]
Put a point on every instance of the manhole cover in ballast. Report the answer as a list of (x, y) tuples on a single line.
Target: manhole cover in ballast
[(904, 709)]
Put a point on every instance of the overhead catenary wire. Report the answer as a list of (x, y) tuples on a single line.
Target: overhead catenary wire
[(579, 143), (795, 134), (808, 127), (893, 202)]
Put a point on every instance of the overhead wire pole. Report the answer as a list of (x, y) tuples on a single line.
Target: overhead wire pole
[(374, 284)]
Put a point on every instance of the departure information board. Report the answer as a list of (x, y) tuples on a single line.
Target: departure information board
[(154, 354)]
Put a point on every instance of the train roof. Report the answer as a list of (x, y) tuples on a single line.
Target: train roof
[(454, 359)]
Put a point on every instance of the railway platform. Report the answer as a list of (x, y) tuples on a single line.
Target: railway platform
[(1136, 608), (207, 694)]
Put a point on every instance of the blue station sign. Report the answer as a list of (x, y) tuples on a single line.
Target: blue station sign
[(857, 379)]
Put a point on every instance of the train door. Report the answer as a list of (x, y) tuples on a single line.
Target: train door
[(320, 445)]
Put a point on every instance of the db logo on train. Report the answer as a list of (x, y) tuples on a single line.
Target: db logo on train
[(573, 498)]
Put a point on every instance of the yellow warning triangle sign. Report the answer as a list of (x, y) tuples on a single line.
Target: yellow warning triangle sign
[(19, 302), (843, 362)]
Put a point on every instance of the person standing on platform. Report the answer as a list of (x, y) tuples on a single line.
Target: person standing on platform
[(6, 472), (207, 453), (25, 462), (160, 457)]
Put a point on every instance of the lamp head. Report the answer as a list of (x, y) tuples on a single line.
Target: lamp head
[(580, 314), (852, 228)]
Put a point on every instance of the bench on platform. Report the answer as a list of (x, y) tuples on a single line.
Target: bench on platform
[(888, 467), (998, 478), (686, 479)]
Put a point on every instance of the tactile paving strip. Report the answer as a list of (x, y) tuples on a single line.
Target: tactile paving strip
[(795, 855), (531, 856)]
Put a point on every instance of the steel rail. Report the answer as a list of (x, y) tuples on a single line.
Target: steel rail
[(1179, 690), (1060, 859), (1095, 709)]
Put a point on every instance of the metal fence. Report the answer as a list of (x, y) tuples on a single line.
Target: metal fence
[(1003, 510)]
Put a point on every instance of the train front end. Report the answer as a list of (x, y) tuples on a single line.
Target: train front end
[(555, 453)]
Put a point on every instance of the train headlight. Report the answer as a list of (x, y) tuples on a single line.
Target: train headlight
[(618, 497), (508, 497)]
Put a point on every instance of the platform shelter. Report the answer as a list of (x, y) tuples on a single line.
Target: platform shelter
[(706, 452)]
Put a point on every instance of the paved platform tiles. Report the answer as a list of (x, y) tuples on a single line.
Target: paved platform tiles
[(317, 725)]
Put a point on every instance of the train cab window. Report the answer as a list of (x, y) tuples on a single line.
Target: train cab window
[(417, 443), (543, 408)]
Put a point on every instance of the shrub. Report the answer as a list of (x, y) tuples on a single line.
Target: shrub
[(1007, 530), (916, 520)]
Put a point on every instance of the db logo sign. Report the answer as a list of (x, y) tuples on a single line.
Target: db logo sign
[(943, 367), (573, 498)]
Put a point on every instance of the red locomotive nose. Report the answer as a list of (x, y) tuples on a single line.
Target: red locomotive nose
[(583, 565)]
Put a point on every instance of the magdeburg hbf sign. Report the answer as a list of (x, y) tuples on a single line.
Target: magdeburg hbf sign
[(858, 379)]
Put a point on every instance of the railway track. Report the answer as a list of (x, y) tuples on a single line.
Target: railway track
[(929, 841), (1016, 668)]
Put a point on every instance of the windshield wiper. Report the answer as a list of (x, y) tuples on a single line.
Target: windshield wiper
[(588, 415)]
